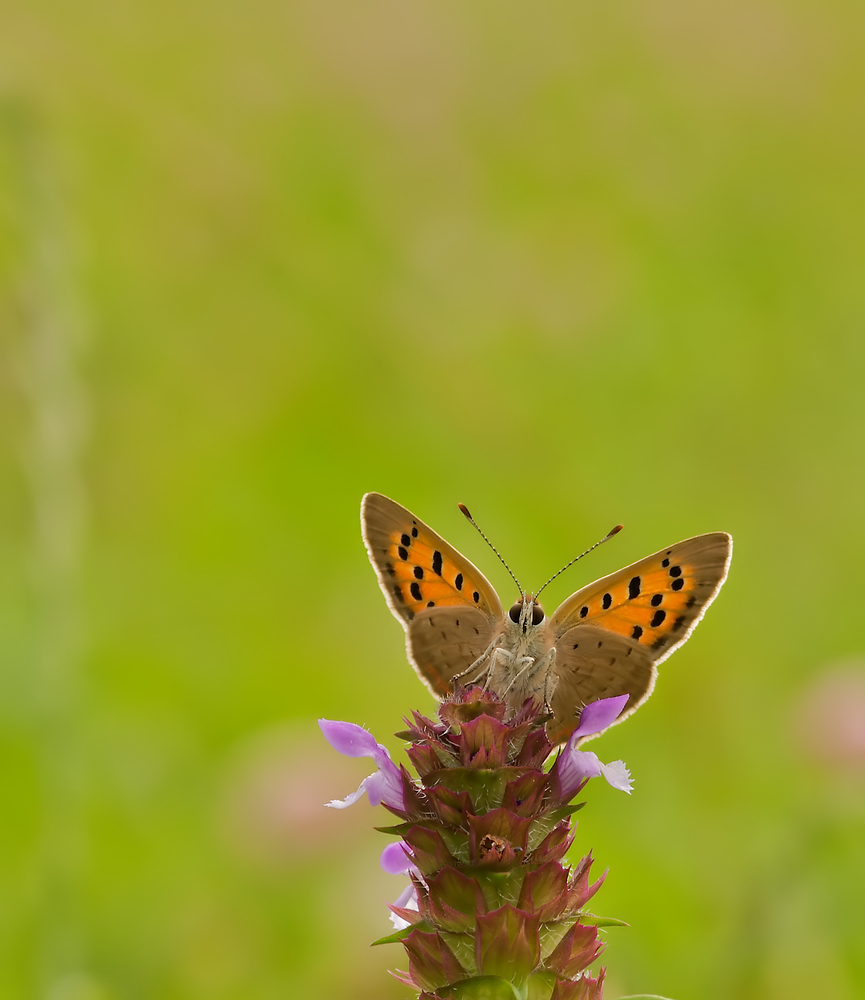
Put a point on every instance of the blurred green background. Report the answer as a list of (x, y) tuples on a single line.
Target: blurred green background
[(571, 264)]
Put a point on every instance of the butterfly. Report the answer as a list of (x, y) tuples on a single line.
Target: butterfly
[(606, 639)]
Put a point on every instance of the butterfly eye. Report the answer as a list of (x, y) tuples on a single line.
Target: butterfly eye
[(514, 613), (537, 614)]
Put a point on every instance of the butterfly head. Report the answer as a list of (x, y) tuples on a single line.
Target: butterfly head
[(526, 612)]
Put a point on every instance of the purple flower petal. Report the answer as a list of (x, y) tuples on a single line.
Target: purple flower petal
[(349, 800), (574, 766), (348, 738), (385, 785), (618, 775), (395, 860), (598, 715)]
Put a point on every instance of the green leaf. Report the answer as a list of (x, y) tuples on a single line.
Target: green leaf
[(541, 827), (394, 831), (485, 785), (551, 934), (488, 988), (463, 947), (410, 737), (563, 811), (500, 887), (540, 985), (397, 936), (590, 918), (457, 843), (394, 938)]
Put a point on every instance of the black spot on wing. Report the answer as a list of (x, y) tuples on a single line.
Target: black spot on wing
[(678, 583), (606, 601), (458, 583), (476, 596), (583, 611), (637, 632), (437, 562), (656, 599), (403, 553), (418, 572), (415, 591), (406, 541), (658, 619), (675, 571), (634, 588)]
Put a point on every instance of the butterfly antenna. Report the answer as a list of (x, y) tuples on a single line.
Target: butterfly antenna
[(606, 538), (476, 526)]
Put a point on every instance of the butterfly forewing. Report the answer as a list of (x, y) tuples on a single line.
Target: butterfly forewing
[(446, 605), (658, 600), (650, 608), (416, 567)]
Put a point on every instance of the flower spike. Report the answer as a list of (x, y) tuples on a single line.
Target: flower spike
[(491, 908)]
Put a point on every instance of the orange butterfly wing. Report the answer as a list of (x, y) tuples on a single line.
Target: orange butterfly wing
[(645, 611), (447, 607)]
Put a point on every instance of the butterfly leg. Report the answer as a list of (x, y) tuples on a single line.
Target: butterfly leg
[(488, 654), (551, 680), (503, 662)]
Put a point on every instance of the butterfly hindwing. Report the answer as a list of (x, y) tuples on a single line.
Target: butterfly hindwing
[(594, 663), (444, 642)]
